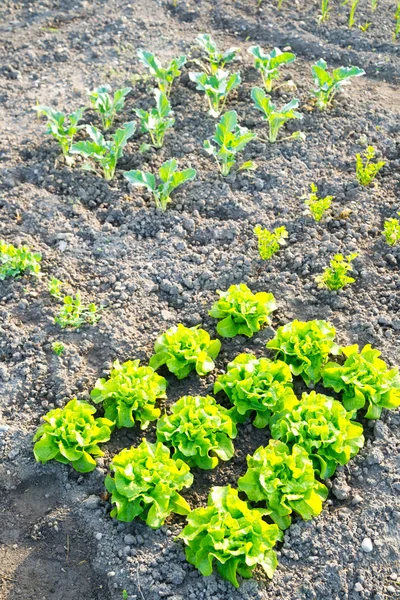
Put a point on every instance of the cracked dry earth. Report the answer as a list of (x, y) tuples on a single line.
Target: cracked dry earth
[(152, 269)]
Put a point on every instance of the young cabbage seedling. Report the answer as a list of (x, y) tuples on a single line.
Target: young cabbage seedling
[(335, 277), (317, 206), (105, 153), (276, 118), (215, 58), (57, 125), (216, 88), (157, 120), (170, 179), (269, 64), (367, 172), (231, 139), (106, 105), (164, 76), (391, 231), (328, 85), (269, 242)]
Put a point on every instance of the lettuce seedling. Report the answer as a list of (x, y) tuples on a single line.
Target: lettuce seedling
[(256, 385), (18, 261), (391, 231), (269, 242), (323, 427), (276, 118), (231, 139), (164, 76), (215, 58), (283, 478), (269, 64), (317, 206), (57, 125), (183, 349), (305, 346), (130, 394), (107, 106), (231, 535), (157, 120), (145, 483), (199, 430), (364, 379), (335, 276), (104, 152), (54, 287), (75, 313), (216, 88), (328, 85), (71, 435), (242, 312), (170, 179), (58, 348), (367, 172)]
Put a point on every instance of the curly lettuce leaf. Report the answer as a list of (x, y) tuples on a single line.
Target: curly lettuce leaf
[(199, 430)]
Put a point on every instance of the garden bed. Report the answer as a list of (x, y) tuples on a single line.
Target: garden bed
[(153, 269)]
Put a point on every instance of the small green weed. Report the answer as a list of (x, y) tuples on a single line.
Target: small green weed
[(269, 242), (335, 276), (366, 172)]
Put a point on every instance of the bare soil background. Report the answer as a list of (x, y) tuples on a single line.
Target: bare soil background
[(152, 270)]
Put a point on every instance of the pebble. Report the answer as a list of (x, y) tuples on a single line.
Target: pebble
[(358, 587), (366, 545)]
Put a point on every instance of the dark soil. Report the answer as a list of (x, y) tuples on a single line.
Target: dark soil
[(152, 270)]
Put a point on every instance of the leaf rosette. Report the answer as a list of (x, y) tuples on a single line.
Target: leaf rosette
[(364, 379), (199, 430), (231, 535), (183, 349), (242, 312), (256, 384), (71, 435), (305, 347), (130, 394), (284, 479), (323, 427), (145, 482)]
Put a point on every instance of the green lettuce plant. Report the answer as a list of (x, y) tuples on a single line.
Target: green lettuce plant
[(145, 482), (323, 427), (269, 64), (328, 85), (230, 139), (364, 380), (216, 88), (335, 276), (183, 349), (231, 535), (75, 313), (317, 206), (62, 127), (269, 242), (366, 172), (106, 105), (164, 76), (276, 117), (256, 385), (102, 152), (157, 120), (170, 180), (242, 312), (18, 261), (215, 58), (71, 435), (200, 431), (305, 346), (284, 479), (391, 231), (130, 393)]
